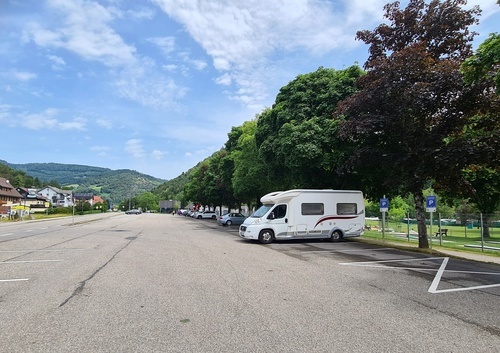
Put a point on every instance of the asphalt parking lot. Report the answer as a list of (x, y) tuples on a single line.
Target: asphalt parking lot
[(449, 274), (163, 283)]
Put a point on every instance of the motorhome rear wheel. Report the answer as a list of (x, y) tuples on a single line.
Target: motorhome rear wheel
[(336, 236)]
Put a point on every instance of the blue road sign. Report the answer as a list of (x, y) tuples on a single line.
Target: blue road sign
[(430, 203), (384, 205)]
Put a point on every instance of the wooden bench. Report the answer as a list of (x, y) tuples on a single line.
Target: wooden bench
[(443, 231)]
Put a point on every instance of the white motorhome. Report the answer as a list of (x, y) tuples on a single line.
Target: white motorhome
[(306, 214)]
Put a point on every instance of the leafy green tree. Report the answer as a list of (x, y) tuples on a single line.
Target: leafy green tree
[(485, 183), (146, 201), (398, 209), (217, 180), (82, 206), (194, 190), (100, 206), (464, 210), (485, 63), (250, 178), (297, 137), (478, 142), (412, 99), (372, 209)]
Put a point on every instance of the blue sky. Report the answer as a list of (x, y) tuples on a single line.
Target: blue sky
[(156, 85)]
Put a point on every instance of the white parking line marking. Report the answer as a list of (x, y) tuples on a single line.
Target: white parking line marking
[(367, 263), (14, 280), (465, 288), (37, 250), (27, 261), (343, 251), (5, 234), (439, 272)]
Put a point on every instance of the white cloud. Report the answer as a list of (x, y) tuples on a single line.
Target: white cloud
[(156, 154), (5, 112), (99, 148), (156, 92), (21, 75), (43, 120), (170, 67), (242, 37), (135, 148), (143, 13), (76, 124), (104, 123), (224, 79), (48, 120), (166, 44), (85, 29), (102, 151), (199, 64), (360, 13), (58, 62)]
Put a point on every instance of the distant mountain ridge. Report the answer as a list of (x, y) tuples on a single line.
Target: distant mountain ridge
[(113, 185)]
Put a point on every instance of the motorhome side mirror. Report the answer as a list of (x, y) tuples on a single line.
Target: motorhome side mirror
[(271, 215)]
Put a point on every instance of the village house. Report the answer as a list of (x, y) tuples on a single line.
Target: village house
[(57, 197), (88, 197), (9, 197), (32, 199)]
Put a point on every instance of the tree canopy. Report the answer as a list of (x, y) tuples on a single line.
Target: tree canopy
[(419, 117), (412, 99), (296, 138)]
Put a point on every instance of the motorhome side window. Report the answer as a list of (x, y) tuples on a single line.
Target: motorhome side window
[(279, 211), (316, 209), (347, 208)]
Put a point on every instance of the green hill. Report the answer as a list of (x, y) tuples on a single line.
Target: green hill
[(113, 185)]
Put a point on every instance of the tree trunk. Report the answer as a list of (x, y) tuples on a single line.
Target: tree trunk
[(423, 242), (486, 225)]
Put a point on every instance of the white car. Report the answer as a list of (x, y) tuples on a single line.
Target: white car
[(206, 214)]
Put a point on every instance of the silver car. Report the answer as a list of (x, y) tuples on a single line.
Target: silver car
[(231, 218)]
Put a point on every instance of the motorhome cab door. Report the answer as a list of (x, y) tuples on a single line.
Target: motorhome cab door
[(278, 218)]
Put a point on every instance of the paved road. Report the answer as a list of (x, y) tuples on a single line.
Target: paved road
[(163, 283)]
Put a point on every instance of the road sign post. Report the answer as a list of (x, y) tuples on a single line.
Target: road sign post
[(430, 206), (384, 207)]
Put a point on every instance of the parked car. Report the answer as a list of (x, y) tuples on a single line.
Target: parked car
[(231, 218), (206, 214), (133, 211)]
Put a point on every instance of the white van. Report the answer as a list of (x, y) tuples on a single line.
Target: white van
[(306, 214)]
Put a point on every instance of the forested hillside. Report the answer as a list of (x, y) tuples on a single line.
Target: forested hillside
[(112, 185), (174, 188), (18, 178)]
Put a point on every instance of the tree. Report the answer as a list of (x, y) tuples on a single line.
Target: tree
[(250, 178), (398, 209), (217, 180), (147, 201), (297, 137), (478, 142), (194, 189), (411, 100), (485, 63)]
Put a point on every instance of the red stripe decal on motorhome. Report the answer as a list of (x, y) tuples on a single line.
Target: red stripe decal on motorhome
[(327, 218)]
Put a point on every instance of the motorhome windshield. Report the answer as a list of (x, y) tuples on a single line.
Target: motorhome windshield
[(261, 211)]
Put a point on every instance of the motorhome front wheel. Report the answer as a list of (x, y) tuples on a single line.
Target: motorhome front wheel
[(266, 236)]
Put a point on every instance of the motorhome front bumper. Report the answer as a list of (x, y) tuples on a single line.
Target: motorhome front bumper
[(246, 233)]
